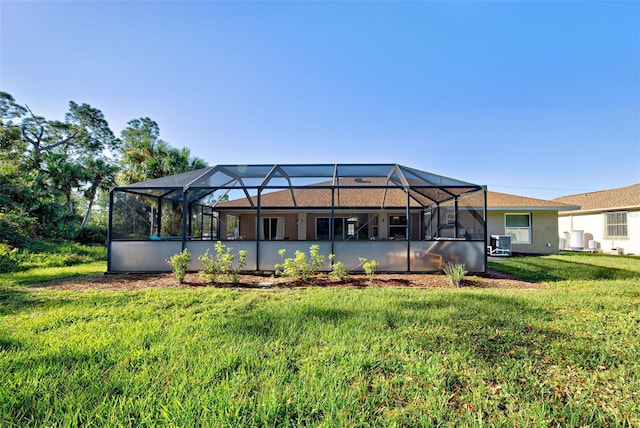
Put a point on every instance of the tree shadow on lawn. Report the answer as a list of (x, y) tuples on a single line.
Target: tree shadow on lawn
[(495, 329), (562, 270), (488, 330), (266, 323), (13, 301)]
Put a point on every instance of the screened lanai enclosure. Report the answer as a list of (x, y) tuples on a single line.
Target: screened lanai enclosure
[(406, 219)]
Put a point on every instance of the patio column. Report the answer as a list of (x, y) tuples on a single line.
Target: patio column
[(408, 231), (331, 225), (437, 220), (258, 224), (185, 208), (484, 213), (456, 232), (109, 230), (159, 218)]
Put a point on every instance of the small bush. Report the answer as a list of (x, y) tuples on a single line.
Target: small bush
[(179, 263), (222, 263), (455, 272), (337, 269), (369, 267), (299, 266)]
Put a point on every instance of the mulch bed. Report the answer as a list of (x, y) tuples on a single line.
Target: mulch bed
[(491, 279)]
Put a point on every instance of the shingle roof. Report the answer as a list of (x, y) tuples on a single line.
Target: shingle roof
[(321, 197), (393, 198), (621, 197), (505, 200)]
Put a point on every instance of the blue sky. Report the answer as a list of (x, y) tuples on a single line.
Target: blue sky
[(540, 99)]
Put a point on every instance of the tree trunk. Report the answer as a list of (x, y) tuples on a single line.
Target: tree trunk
[(87, 215), (92, 196), (69, 204)]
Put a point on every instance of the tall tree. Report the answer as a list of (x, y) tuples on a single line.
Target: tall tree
[(92, 133), (12, 147), (95, 149), (145, 156), (58, 160), (45, 136), (103, 176), (65, 176)]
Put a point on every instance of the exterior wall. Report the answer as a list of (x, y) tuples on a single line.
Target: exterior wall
[(593, 226), (305, 228), (544, 230)]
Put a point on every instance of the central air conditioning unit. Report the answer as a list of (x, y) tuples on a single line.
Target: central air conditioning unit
[(500, 245)]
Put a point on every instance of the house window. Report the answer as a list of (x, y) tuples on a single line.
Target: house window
[(616, 225), (343, 228), (272, 228), (324, 228), (233, 226), (398, 226), (518, 226), (204, 223), (451, 218)]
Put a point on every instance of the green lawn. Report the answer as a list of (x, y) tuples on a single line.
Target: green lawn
[(566, 355)]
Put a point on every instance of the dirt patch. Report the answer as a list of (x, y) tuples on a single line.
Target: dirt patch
[(491, 279)]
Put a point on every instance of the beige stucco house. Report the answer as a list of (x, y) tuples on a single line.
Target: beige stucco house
[(607, 220), (531, 223)]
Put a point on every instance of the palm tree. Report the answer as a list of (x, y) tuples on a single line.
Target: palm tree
[(103, 175), (145, 156)]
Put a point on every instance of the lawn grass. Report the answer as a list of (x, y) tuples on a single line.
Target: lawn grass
[(38, 275), (570, 266), (43, 254), (566, 355)]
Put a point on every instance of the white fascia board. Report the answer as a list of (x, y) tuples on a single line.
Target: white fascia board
[(602, 210), (528, 208)]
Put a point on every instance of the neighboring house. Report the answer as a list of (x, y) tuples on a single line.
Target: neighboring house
[(608, 220), (531, 223)]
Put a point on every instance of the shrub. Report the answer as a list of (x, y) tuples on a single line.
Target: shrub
[(10, 259), (222, 263), (299, 266), (338, 269), (16, 230), (369, 267), (92, 235), (455, 272), (179, 263)]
